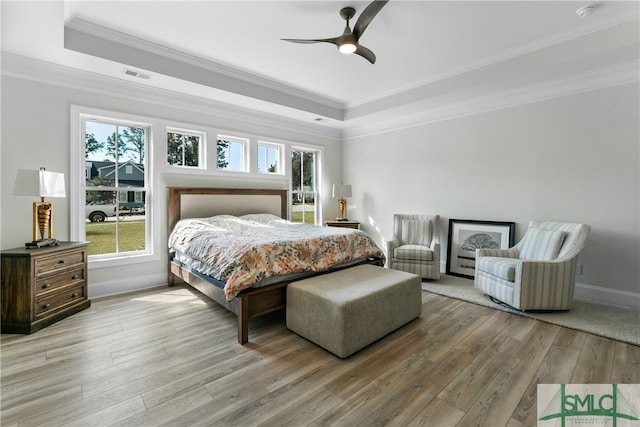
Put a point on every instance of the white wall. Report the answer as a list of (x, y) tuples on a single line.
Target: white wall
[(35, 132), (574, 158)]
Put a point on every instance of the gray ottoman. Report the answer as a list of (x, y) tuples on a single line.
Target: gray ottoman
[(349, 309)]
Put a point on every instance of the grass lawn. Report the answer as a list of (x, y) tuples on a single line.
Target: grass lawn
[(309, 217), (103, 240)]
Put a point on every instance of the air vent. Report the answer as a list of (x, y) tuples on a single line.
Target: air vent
[(134, 73)]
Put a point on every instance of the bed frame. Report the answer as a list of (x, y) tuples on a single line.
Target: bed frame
[(185, 202)]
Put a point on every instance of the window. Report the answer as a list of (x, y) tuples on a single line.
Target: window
[(231, 153), (303, 185), (183, 148), (268, 158), (115, 187)]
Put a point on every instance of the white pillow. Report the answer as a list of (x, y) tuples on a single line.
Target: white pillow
[(542, 245), (416, 232)]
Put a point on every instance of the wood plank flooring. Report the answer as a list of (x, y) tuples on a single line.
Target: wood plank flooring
[(168, 356)]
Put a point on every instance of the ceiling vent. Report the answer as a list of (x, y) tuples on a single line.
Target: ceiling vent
[(134, 73)]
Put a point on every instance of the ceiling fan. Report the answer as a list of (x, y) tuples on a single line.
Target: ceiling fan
[(348, 42)]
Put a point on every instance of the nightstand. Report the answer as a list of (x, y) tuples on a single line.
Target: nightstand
[(344, 224), (42, 286)]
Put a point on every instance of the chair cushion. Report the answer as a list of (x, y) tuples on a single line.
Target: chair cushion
[(541, 245), (504, 268), (416, 232), (413, 252)]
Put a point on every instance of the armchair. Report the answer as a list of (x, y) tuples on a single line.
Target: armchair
[(415, 246), (539, 272)]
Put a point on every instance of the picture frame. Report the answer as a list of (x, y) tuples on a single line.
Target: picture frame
[(467, 235)]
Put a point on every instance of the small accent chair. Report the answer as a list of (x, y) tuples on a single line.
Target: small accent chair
[(415, 246), (539, 272)]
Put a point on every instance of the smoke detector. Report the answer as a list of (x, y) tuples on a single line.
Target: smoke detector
[(586, 10)]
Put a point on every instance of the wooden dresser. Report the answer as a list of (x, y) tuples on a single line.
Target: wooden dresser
[(42, 286)]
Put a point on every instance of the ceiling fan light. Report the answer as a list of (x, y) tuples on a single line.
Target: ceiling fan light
[(347, 47)]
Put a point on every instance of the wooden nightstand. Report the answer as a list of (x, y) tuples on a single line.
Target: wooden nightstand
[(42, 286), (345, 224)]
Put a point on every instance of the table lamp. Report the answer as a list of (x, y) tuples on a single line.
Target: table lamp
[(342, 191), (40, 183)]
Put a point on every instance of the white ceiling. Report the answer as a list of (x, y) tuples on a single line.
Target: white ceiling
[(428, 52)]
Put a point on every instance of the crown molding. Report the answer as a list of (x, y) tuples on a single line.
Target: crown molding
[(46, 72), (114, 36), (625, 73), (411, 115), (533, 46)]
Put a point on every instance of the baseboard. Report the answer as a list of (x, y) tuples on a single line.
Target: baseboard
[(138, 283), (608, 296), (597, 294)]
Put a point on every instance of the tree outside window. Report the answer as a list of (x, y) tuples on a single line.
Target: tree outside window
[(183, 149)]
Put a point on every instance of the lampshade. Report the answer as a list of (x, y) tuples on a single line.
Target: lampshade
[(39, 183), (341, 190)]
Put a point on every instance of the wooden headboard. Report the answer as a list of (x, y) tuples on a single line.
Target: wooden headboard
[(190, 202)]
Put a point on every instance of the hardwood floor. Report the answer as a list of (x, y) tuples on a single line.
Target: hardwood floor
[(169, 356)]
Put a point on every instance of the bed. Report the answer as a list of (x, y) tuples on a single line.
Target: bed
[(245, 294)]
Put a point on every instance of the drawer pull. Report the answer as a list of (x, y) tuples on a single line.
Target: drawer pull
[(74, 295), (44, 307), (46, 286), (61, 261), (75, 276)]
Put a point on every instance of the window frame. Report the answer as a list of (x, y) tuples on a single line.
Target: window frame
[(280, 170), (77, 182), (202, 147), (244, 142), (318, 168)]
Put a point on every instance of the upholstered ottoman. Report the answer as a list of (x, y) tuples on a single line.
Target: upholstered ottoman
[(349, 309)]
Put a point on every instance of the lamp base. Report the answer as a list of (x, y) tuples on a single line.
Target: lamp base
[(43, 243), (342, 210)]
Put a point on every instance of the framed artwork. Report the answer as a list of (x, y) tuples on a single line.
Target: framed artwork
[(466, 235)]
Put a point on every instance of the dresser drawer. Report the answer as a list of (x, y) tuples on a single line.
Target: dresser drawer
[(59, 300), (54, 282), (51, 264)]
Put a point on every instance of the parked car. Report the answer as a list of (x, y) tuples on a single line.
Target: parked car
[(98, 213)]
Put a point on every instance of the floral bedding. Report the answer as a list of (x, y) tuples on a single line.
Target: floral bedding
[(245, 250)]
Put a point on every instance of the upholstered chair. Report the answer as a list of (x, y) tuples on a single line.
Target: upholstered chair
[(415, 246), (539, 272)]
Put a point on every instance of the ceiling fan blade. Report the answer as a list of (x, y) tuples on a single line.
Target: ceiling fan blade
[(307, 41), (367, 15), (366, 53)]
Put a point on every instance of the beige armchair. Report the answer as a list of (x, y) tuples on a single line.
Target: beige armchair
[(539, 272), (415, 246)]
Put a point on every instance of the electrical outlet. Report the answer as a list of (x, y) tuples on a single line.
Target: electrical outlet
[(579, 269)]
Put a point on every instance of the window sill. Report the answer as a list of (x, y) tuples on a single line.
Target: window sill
[(124, 259)]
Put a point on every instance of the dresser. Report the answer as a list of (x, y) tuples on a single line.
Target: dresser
[(42, 286)]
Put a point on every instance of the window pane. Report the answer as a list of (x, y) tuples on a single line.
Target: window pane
[(130, 227), (303, 195), (230, 154), (183, 149), (115, 188), (268, 156)]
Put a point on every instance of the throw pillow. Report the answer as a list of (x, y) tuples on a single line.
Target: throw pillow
[(416, 232), (541, 245)]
